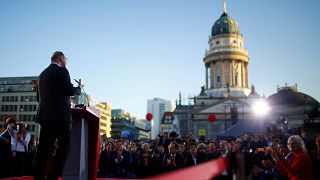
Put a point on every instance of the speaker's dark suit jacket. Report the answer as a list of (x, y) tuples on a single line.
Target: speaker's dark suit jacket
[(55, 90), (54, 116)]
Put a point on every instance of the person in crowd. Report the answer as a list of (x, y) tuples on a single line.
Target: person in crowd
[(259, 143), (154, 144), (284, 151), (267, 138), (224, 152), (183, 149), (54, 116), (135, 155), (300, 166), (172, 136), (173, 160), (192, 156), (274, 143), (157, 160), (103, 141), (19, 148), (165, 141), (32, 148), (202, 153), (239, 140), (189, 138), (268, 170), (103, 168), (110, 139), (235, 147), (248, 145), (119, 162), (315, 156), (213, 152), (5, 149), (145, 168)]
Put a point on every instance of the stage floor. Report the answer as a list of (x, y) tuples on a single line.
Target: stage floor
[(31, 178)]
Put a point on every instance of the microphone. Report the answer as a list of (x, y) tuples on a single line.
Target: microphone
[(84, 92)]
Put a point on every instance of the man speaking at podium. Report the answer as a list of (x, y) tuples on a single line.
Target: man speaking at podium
[(54, 116)]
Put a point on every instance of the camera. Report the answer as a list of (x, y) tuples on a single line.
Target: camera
[(18, 126)]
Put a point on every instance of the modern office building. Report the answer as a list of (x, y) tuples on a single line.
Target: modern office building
[(157, 107), (122, 124), (141, 126), (105, 117), (18, 98), (126, 125)]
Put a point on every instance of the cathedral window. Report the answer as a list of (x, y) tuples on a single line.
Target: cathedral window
[(218, 81), (236, 80)]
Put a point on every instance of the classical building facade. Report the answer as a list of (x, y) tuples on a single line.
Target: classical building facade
[(226, 95)]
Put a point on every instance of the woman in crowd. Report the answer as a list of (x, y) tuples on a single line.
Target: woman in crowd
[(300, 167)]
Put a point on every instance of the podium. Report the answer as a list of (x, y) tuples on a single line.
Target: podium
[(83, 157)]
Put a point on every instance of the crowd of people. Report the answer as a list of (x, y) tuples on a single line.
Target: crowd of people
[(268, 156), (17, 150)]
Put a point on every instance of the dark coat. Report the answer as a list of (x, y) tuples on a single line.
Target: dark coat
[(55, 89), (119, 169), (179, 162), (200, 158), (5, 154)]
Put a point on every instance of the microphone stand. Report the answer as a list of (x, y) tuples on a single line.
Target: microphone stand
[(84, 92)]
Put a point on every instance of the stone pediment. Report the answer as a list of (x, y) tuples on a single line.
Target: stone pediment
[(223, 105)]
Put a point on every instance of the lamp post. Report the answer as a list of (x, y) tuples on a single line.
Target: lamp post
[(225, 117)]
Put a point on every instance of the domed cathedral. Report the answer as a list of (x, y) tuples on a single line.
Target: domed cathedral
[(226, 95), (224, 107), (226, 61)]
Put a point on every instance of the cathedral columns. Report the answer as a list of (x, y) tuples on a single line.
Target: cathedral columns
[(212, 76), (230, 73), (247, 79), (222, 75), (242, 75), (233, 74), (207, 85)]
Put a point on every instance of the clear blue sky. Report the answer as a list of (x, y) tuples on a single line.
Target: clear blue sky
[(128, 51)]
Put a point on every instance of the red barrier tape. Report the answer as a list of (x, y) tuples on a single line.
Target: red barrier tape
[(206, 170)]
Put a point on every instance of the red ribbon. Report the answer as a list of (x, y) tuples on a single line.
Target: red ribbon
[(206, 170)]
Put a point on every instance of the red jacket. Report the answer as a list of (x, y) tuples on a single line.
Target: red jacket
[(300, 167)]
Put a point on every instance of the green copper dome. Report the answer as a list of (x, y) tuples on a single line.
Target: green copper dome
[(225, 25)]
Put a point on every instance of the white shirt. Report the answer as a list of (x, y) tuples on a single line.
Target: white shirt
[(20, 145), (56, 64)]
